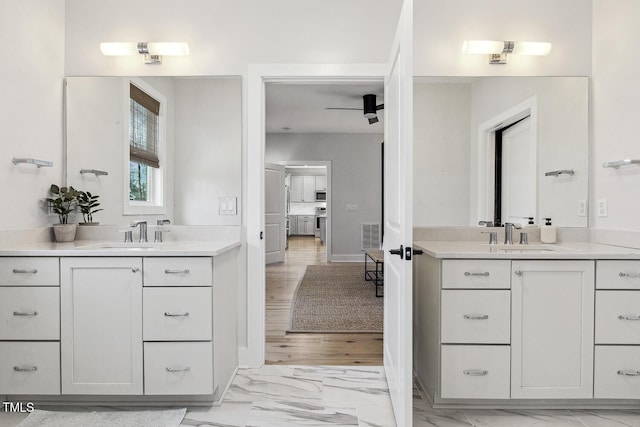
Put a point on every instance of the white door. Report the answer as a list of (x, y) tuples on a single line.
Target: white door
[(274, 213), (398, 221), (101, 325), (309, 189), (518, 173), (552, 329)]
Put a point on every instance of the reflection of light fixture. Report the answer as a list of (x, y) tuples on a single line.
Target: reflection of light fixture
[(152, 52), (498, 50)]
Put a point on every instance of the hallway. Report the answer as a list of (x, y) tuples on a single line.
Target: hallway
[(308, 349)]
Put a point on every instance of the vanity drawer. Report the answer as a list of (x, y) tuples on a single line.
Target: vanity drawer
[(178, 368), (617, 317), (176, 314), (476, 316), (618, 275), (29, 368), (29, 271), (476, 274), (177, 271), (617, 372), (29, 313), (475, 372)]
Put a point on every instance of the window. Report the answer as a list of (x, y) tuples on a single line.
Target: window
[(144, 170)]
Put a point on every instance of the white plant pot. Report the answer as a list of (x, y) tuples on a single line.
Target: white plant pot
[(65, 232)]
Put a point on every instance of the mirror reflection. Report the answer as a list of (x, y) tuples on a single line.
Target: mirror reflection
[(157, 147), (501, 149)]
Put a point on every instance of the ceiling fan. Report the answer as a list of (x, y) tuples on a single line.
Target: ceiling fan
[(370, 108)]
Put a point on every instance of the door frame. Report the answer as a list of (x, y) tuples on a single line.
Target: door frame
[(253, 355)]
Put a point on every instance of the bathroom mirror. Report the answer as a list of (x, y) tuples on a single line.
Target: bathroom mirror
[(501, 148), (199, 128)]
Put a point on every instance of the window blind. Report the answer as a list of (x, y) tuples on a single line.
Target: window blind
[(143, 127)]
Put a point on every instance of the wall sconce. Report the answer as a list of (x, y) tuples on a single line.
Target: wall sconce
[(498, 50), (152, 52)]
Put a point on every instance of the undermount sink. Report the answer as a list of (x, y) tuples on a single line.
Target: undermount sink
[(532, 248), (122, 245)]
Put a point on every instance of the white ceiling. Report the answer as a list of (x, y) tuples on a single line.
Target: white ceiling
[(301, 108)]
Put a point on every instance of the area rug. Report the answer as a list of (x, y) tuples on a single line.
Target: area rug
[(151, 418), (336, 299)]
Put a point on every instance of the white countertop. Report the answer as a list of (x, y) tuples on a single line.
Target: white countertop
[(565, 250), (103, 248)]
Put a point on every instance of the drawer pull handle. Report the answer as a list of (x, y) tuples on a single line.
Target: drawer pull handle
[(25, 313), (476, 316), (468, 273), (621, 274), (168, 314), (25, 270), (475, 372), (185, 369), (629, 372), (628, 317), (185, 271), (25, 368), (135, 269)]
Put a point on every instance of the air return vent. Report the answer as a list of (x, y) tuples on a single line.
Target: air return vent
[(370, 236)]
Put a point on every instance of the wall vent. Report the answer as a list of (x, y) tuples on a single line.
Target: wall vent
[(370, 237)]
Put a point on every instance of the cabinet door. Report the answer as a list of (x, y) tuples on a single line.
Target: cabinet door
[(296, 188), (101, 325), (293, 224), (309, 189), (552, 306), (321, 183)]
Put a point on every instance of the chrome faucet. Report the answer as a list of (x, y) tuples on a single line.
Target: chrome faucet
[(508, 232), (143, 230), (158, 234), (485, 223)]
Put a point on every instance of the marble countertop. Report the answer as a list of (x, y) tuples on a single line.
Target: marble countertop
[(565, 250), (106, 248)]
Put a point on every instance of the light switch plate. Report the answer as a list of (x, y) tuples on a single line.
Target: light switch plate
[(602, 208), (228, 205), (352, 208), (582, 208)]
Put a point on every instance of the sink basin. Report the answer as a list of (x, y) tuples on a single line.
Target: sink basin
[(122, 246), (516, 248)]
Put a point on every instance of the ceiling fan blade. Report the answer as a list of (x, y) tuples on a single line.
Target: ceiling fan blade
[(342, 108), (373, 120)]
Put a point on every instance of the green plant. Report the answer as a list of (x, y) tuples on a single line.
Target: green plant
[(88, 203), (62, 201)]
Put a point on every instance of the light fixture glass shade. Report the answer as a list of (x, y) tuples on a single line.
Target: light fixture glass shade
[(531, 48), (168, 49), (482, 46), (119, 49)]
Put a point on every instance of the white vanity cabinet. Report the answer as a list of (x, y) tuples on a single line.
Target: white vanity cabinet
[(552, 323), (101, 325), (29, 325)]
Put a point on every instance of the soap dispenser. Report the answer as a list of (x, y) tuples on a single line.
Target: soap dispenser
[(548, 232)]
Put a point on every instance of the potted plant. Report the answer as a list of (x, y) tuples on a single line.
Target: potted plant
[(62, 202), (88, 203)]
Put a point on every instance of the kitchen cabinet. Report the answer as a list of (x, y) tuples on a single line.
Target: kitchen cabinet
[(303, 188), (552, 322), (321, 183), (101, 325), (306, 225)]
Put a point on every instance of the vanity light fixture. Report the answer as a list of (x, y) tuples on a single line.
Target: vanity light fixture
[(498, 50), (152, 52)]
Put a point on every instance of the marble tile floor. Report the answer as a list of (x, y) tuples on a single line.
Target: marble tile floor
[(294, 396)]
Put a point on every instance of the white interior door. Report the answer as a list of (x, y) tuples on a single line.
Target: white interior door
[(398, 221), (518, 173), (274, 213)]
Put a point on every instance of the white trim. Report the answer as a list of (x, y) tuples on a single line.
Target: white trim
[(258, 74), (486, 151), (158, 204)]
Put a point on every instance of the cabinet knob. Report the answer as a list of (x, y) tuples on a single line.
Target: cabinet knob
[(135, 269)]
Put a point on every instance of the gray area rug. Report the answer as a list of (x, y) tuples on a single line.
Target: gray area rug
[(336, 299), (161, 418)]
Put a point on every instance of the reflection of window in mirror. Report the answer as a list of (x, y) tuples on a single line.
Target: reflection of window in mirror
[(144, 182)]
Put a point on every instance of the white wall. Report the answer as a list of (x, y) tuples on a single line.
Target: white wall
[(207, 149), (440, 27), (616, 106), (442, 119), (355, 179), (224, 35), (32, 46)]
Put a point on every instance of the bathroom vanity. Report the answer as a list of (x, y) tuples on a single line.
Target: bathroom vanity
[(528, 326), (118, 323)]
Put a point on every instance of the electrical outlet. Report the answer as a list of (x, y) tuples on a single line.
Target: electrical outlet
[(582, 208), (602, 208)]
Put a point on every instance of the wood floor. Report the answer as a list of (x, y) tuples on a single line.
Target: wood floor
[(308, 349)]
